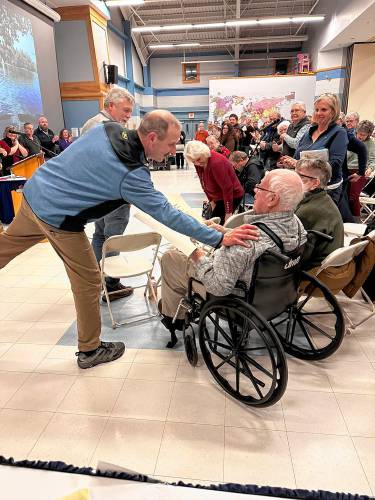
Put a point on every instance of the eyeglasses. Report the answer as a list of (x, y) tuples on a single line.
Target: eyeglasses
[(307, 176), (257, 186)]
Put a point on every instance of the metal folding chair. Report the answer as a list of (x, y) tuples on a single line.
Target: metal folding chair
[(120, 266)]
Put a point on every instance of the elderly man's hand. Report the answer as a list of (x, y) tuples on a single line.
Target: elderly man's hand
[(239, 235)]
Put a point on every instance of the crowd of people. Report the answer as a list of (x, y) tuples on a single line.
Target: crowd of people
[(17, 145), (280, 143), (273, 167)]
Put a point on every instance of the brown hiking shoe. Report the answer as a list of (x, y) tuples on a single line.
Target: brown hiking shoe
[(119, 292)]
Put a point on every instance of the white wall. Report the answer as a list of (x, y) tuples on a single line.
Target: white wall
[(167, 72), (184, 101), (116, 52), (137, 67)]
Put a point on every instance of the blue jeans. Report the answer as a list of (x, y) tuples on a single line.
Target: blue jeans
[(113, 224)]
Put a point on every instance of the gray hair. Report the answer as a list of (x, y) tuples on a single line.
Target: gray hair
[(366, 127), (353, 114), (238, 156), (299, 103), (288, 185), (284, 123), (212, 139), (118, 94), (195, 150), (320, 169), (158, 121)]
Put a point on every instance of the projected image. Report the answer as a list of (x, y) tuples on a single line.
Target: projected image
[(20, 99)]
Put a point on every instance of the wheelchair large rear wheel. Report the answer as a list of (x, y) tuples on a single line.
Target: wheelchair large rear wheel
[(314, 327), (242, 352)]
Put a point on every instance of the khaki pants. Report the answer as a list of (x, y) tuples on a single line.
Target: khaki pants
[(176, 269), (75, 251)]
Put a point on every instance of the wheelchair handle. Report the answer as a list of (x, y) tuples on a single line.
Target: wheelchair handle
[(324, 236), (278, 255)]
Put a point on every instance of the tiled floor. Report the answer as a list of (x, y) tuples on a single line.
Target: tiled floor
[(151, 412)]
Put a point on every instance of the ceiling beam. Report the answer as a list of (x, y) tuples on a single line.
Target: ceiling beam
[(247, 41)]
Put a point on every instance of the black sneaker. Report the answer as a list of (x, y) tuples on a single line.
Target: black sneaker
[(119, 292), (106, 352)]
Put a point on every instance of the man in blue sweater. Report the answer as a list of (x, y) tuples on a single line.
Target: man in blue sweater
[(98, 173)]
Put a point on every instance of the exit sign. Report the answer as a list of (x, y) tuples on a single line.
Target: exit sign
[(191, 115)]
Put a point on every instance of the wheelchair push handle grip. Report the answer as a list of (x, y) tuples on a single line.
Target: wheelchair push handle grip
[(278, 255), (324, 236)]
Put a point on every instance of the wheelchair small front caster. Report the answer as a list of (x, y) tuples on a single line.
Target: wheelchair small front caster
[(191, 349)]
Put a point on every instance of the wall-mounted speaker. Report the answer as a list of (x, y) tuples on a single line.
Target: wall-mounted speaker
[(112, 73)]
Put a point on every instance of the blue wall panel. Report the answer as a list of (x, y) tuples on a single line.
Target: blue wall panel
[(76, 113)]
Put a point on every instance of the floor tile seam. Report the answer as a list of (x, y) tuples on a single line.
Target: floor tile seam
[(23, 383), (11, 345), (58, 404), (362, 466), (98, 441), (164, 427), (118, 394), (40, 435)]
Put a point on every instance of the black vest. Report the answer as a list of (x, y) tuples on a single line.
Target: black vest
[(292, 132)]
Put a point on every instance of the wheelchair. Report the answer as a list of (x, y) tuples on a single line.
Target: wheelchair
[(243, 337)]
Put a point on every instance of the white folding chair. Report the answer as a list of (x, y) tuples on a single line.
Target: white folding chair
[(367, 201), (340, 257), (120, 266), (236, 220)]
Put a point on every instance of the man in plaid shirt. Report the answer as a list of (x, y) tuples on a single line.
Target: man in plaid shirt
[(276, 198)]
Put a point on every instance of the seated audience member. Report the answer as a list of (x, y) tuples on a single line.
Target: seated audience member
[(64, 139), (215, 145), (296, 130), (29, 140), (201, 134), (13, 149), (249, 171), (357, 172), (352, 121), (180, 146), (214, 129), (228, 138), (318, 212), (275, 201), (47, 137), (217, 178), (324, 133)]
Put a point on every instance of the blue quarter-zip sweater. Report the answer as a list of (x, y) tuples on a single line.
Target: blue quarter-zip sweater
[(99, 172), (335, 139)]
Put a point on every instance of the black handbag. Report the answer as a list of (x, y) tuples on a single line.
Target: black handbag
[(206, 210)]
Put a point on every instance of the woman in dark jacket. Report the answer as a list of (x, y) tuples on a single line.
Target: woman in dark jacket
[(180, 146), (324, 133), (228, 138)]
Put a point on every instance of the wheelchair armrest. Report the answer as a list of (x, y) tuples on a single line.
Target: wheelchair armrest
[(278, 255), (320, 235), (190, 285)]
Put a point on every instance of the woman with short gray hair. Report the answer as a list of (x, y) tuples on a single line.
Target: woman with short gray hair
[(218, 179)]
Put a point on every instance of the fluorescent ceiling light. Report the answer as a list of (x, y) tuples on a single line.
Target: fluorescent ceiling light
[(175, 45), (209, 25), (267, 21), (242, 22), (123, 3), (273, 21), (307, 19)]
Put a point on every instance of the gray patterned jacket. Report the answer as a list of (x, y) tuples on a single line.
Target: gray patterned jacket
[(220, 272)]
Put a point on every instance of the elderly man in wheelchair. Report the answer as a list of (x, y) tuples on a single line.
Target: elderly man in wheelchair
[(246, 300)]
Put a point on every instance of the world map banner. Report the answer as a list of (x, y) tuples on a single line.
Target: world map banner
[(258, 97)]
